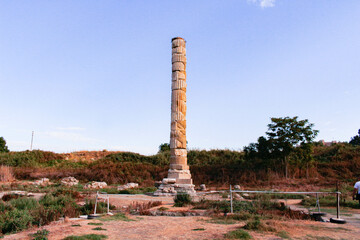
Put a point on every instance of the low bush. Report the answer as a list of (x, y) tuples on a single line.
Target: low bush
[(41, 235), (87, 237), (238, 234), (99, 229), (142, 208), (24, 203), (15, 220), (182, 199)]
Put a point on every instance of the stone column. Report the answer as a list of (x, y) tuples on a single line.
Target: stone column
[(179, 177)]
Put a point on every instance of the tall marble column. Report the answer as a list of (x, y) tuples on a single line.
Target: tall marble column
[(179, 177)]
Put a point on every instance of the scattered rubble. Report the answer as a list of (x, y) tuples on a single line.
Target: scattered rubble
[(42, 182), (237, 187), (69, 181), (95, 185), (127, 186)]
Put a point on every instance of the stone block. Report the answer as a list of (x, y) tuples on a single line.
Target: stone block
[(178, 116), (178, 95), (179, 50), (178, 125), (184, 181), (178, 42), (178, 166), (178, 160), (178, 75), (178, 57), (169, 180), (179, 152), (179, 175), (202, 187), (178, 66), (179, 85)]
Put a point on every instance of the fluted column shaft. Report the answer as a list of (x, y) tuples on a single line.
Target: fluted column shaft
[(178, 159)]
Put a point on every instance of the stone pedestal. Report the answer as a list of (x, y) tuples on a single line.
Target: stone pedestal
[(179, 177)]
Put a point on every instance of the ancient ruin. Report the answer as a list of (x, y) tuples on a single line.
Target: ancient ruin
[(179, 177)]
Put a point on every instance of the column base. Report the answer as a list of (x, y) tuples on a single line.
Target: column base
[(172, 186), (173, 189)]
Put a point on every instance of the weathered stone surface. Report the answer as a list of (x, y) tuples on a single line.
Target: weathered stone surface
[(42, 182), (128, 185), (179, 50), (178, 76), (179, 177), (69, 181), (95, 185), (178, 66), (178, 42), (202, 187), (179, 85), (178, 58), (169, 180)]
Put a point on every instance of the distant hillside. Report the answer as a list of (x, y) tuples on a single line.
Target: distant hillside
[(215, 167)]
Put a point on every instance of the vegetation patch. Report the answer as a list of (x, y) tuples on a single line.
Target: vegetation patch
[(87, 237), (163, 208), (116, 217), (40, 235), (238, 234), (99, 229), (198, 229), (283, 234), (95, 224), (182, 199)]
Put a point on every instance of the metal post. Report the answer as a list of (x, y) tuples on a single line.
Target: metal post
[(97, 193), (32, 140), (337, 205), (231, 201), (108, 205), (337, 200), (318, 202)]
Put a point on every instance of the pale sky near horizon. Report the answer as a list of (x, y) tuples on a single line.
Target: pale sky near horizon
[(93, 75)]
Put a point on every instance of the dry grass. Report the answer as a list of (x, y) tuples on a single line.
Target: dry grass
[(6, 174), (143, 208)]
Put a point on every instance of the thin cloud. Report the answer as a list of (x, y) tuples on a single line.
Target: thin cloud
[(263, 3)]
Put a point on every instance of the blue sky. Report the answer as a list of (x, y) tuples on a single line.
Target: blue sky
[(93, 75)]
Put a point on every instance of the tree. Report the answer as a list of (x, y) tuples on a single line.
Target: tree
[(164, 147), (285, 134), (3, 147), (355, 140)]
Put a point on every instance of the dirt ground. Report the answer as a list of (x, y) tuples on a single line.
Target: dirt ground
[(199, 227)]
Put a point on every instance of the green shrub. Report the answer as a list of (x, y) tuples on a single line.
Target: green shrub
[(86, 237), (40, 235), (253, 224), (24, 203), (15, 220), (44, 215), (116, 217), (99, 229), (238, 234), (182, 199)]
